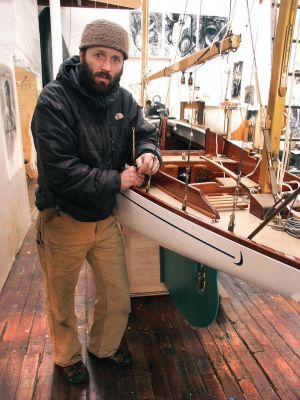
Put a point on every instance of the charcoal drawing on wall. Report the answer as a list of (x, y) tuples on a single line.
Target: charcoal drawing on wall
[(8, 110), (180, 34), (249, 94), (155, 34), (237, 79), (211, 30), (135, 33), (294, 123)]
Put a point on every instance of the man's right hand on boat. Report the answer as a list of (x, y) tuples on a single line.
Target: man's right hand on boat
[(130, 177)]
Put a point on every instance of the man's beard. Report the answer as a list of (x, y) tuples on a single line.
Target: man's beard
[(87, 79)]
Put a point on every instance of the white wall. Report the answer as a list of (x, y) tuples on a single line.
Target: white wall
[(27, 36), (19, 42)]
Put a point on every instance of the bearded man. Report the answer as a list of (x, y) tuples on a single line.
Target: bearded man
[(82, 128)]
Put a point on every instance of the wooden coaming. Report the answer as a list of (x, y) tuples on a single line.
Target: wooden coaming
[(176, 189)]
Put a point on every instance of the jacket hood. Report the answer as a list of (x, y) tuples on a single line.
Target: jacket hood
[(69, 74)]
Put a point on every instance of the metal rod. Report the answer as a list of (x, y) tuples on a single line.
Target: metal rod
[(133, 145), (275, 212)]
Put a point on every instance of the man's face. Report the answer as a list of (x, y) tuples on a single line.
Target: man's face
[(101, 69)]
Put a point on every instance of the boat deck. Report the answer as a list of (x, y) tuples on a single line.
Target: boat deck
[(245, 223), (252, 350)]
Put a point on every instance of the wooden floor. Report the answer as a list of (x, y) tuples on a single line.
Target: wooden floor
[(252, 351)]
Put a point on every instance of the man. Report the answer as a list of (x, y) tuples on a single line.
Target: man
[(147, 107), (82, 131)]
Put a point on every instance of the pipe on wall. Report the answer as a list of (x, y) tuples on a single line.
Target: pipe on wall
[(56, 34)]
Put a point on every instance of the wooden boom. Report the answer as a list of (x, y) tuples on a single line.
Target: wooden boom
[(230, 43)]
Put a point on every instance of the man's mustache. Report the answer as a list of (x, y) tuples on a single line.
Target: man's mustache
[(103, 74)]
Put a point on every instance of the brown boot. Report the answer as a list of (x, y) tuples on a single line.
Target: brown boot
[(76, 373), (121, 358)]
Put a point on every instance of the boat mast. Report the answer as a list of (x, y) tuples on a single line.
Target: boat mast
[(278, 87), (144, 50)]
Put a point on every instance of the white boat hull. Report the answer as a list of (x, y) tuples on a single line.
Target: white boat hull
[(206, 246)]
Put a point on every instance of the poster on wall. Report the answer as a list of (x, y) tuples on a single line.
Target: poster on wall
[(8, 123), (294, 123), (154, 37), (249, 94), (180, 35), (237, 79), (211, 30), (155, 34), (135, 33)]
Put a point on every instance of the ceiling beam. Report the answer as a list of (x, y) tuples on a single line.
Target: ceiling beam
[(132, 4), (119, 4)]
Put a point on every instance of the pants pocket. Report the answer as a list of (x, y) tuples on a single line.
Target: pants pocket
[(38, 224), (44, 218)]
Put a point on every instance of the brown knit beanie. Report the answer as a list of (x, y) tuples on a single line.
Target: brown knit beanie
[(105, 33)]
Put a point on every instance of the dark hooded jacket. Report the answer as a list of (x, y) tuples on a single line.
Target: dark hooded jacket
[(82, 142)]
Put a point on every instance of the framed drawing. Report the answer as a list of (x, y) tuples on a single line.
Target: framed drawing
[(237, 79), (8, 112), (180, 34)]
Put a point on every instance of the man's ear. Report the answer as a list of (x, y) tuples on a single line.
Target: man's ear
[(81, 55)]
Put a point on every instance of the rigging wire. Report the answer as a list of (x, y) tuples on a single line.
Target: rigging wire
[(236, 191), (159, 130), (254, 52), (239, 174), (175, 56), (239, 103), (200, 8), (292, 227), (291, 224), (188, 167), (282, 167), (228, 74), (253, 68)]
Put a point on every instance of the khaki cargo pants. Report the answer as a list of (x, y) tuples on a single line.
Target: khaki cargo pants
[(63, 245)]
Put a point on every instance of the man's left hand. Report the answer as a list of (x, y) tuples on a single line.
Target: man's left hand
[(147, 164)]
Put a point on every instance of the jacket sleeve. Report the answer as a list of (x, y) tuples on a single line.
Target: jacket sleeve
[(58, 155), (146, 136)]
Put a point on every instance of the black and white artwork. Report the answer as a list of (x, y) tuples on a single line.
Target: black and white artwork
[(154, 37), (8, 116), (180, 35), (155, 34), (237, 79), (249, 94), (135, 33), (294, 123), (211, 29)]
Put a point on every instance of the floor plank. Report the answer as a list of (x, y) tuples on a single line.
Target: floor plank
[(250, 352)]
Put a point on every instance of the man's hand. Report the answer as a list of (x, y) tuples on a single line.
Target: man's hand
[(147, 164), (131, 177)]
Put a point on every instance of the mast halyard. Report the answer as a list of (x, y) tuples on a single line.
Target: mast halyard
[(278, 87)]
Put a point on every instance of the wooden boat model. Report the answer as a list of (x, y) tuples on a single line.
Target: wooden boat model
[(203, 231), (195, 233)]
